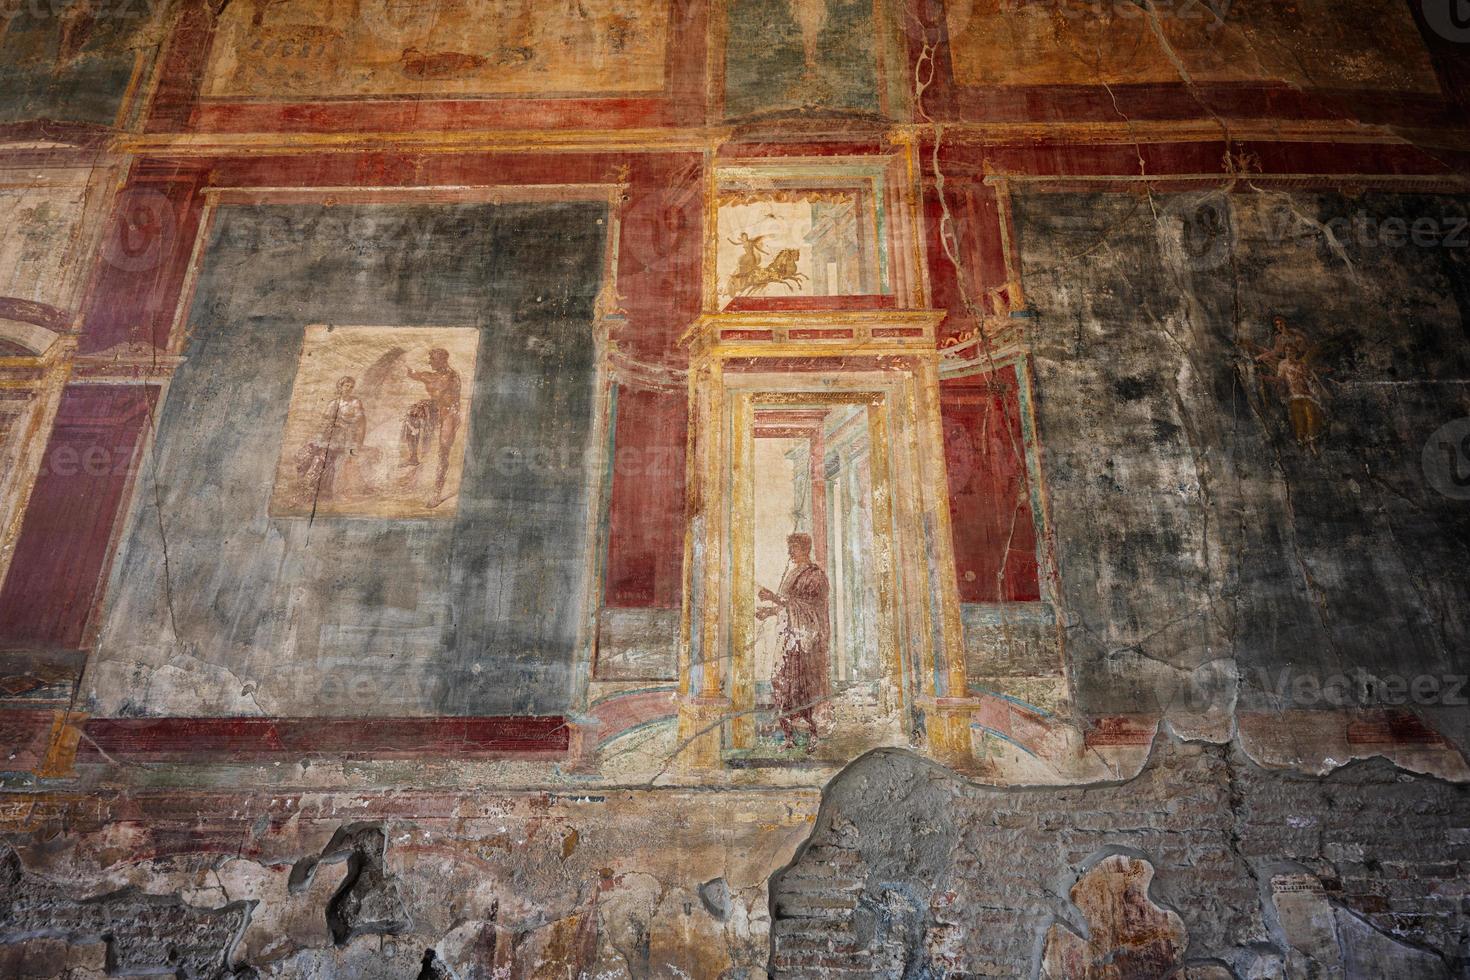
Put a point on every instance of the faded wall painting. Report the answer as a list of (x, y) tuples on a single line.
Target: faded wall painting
[(40, 234), (376, 426), (306, 49), (75, 62), (821, 674), (734, 489), (802, 54), (1373, 44), (808, 234), (1302, 396), (394, 595), (795, 244)]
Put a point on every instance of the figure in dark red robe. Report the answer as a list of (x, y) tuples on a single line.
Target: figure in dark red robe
[(801, 685)]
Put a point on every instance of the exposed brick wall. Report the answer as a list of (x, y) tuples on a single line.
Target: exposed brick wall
[(907, 870), (911, 871)]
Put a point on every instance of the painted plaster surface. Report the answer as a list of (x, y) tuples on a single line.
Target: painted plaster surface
[(1172, 431), (734, 489), (1373, 45), (394, 613), (388, 47), (74, 62)]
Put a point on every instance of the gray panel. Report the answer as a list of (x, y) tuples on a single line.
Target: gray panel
[(478, 614)]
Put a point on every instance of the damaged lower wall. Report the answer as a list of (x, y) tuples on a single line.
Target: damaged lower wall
[(1204, 865), (911, 872), (365, 884)]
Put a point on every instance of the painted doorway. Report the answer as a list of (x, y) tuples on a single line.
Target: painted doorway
[(816, 656), (861, 477)]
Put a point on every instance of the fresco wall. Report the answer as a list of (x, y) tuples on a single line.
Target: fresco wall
[(379, 48), (733, 488), (1268, 478), (365, 530), (77, 62), (1366, 46)]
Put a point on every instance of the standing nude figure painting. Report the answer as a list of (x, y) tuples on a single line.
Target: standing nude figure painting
[(432, 424)]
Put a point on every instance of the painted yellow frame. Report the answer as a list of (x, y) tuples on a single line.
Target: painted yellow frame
[(897, 378)]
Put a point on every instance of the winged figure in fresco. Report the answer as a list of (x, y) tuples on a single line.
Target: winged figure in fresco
[(1291, 359)]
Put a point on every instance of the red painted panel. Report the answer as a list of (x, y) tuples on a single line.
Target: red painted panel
[(966, 261), (415, 115), (62, 552), (144, 260), (376, 738), (803, 333), (989, 489), (1391, 727), (645, 559), (661, 253)]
